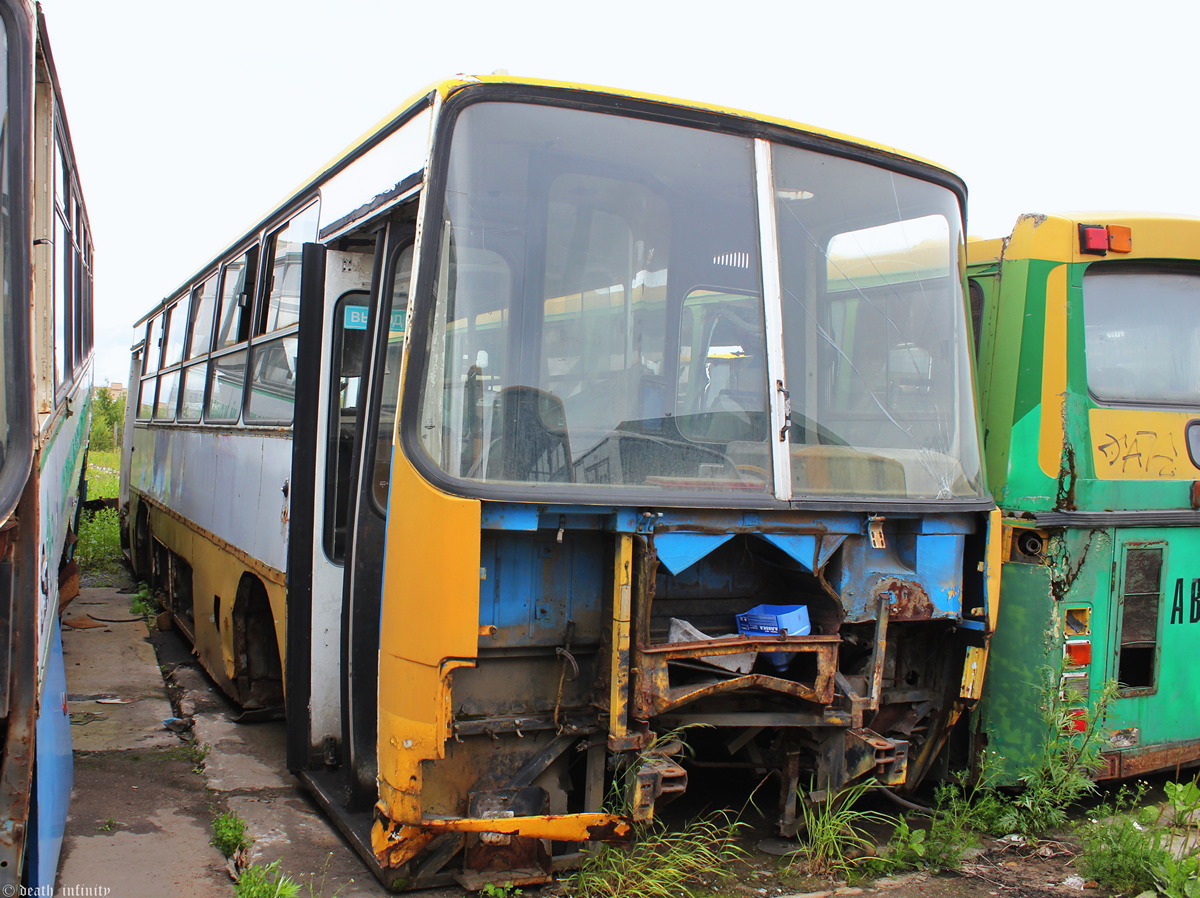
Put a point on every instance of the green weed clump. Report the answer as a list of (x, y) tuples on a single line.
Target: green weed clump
[(506, 890), (98, 549), (143, 601), (659, 863), (1132, 849), (1058, 780), (835, 842), (229, 833), (258, 881), (950, 834)]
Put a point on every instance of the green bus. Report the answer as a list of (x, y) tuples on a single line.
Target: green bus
[(1089, 376)]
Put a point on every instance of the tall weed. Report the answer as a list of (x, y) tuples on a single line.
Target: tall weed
[(659, 863), (834, 835)]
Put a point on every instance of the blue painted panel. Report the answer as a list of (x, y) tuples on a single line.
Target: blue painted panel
[(679, 551), (536, 585), (495, 516), (931, 562), (53, 774), (939, 561), (802, 548)]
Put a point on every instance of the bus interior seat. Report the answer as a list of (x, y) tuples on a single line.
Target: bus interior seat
[(532, 444)]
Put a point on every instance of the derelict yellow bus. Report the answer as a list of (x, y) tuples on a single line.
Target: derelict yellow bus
[(548, 418)]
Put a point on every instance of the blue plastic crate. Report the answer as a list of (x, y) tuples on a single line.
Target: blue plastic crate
[(773, 620)]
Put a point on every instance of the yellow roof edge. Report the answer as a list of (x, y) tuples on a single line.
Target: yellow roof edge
[(981, 250), (447, 87), (1055, 236)]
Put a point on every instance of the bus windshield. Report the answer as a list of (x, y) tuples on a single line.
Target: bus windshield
[(599, 317)]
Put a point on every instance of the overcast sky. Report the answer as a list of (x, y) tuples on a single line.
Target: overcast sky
[(191, 120)]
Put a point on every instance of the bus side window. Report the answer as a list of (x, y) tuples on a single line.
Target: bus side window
[(175, 327), (349, 341), (1141, 599), (397, 310), (204, 298), (237, 298), (282, 303)]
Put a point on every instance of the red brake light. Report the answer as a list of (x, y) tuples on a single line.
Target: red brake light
[(1093, 240)]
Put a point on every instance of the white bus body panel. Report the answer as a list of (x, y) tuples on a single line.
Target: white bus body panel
[(232, 484)]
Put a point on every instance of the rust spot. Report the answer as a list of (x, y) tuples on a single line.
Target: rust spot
[(906, 600), (1131, 762), (616, 831)]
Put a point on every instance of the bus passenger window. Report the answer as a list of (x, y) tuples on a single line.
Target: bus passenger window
[(192, 392), (282, 307), (145, 400), (237, 296), (273, 382), (175, 324), (153, 350), (227, 377), (1141, 596), (204, 299), (168, 395)]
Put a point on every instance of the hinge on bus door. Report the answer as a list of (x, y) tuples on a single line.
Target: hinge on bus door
[(787, 411)]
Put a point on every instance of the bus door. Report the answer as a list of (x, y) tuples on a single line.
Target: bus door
[(346, 435)]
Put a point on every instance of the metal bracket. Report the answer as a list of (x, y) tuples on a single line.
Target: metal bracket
[(657, 776)]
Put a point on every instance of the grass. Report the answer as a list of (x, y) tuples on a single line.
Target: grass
[(265, 881), (659, 863), (98, 550), (143, 602), (834, 838), (229, 833), (1131, 849), (103, 474)]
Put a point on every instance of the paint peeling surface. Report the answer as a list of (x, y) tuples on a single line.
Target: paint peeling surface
[(220, 480)]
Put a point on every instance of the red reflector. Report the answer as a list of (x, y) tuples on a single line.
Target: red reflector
[(1120, 239), (1078, 653), (1093, 239), (1078, 720)]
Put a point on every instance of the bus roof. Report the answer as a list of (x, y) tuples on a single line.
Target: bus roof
[(1055, 237), (448, 87)]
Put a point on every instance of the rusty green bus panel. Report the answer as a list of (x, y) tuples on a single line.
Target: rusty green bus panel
[(1087, 388)]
